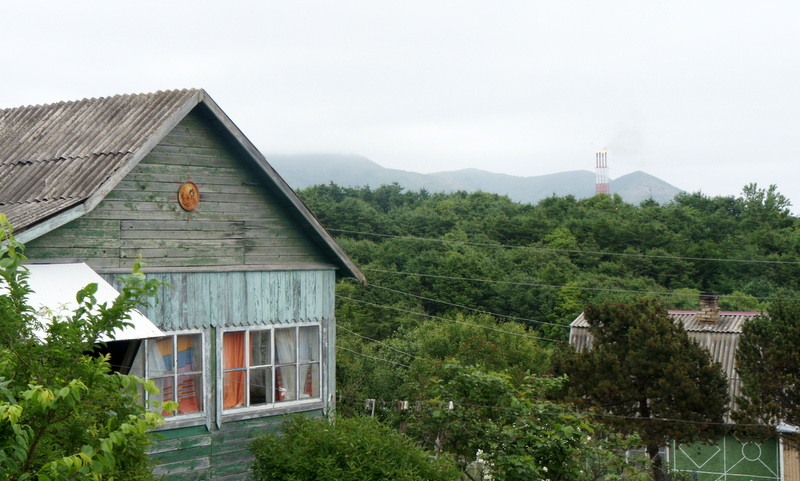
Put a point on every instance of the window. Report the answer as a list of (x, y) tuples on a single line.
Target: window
[(175, 365), (270, 366)]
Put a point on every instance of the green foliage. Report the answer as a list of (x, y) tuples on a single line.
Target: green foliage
[(768, 363), (63, 413), (349, 449), (509, 431), (389, 370), (485, 252), (645, 371)]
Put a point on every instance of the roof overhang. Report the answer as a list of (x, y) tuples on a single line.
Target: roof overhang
[(54, 287)]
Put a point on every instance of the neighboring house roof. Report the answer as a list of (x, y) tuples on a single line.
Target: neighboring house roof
[(721, 338), (58, 161)]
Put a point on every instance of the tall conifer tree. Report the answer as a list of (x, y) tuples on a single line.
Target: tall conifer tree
[(644, 375)]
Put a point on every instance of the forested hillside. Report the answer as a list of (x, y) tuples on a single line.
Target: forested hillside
[(470, 297), (440, 254)]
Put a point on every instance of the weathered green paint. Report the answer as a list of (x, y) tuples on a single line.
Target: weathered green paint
[(197, 300), (240, 259), (199, 453), (731, 459), (238, 222)]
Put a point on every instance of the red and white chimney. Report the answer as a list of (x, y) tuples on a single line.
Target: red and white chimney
[(601, 167)]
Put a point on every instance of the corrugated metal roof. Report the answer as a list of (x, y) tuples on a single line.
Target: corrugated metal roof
[(57, 155), (720, 338), (57, 161)]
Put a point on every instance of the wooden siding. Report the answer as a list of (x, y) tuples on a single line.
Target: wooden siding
[(239, 221), (791, 463), (197, 300), (196, 453)]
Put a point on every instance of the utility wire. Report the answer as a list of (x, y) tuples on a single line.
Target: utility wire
[(553, 286), (468, 308), (372, 357), (339, 326), (570, 251), (446, 319), (584, 413)]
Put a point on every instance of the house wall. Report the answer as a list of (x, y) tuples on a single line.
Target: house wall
[(239, 259), (791, 463), (195, 453), (239, 223), (197, 300)]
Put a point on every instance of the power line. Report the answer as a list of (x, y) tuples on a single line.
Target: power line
[(469, 308), (590, 413), (372, 357), (339, 326), (446, 319), (570, 251), (553, 286)]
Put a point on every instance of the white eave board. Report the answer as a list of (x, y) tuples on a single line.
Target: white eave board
[(54, 288)]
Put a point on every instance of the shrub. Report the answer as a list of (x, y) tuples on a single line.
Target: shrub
[(355, 448)]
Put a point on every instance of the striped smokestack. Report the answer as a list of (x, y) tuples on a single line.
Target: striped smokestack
[(601, 167)]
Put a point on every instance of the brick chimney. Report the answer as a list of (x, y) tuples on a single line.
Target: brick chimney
[(709, 308)]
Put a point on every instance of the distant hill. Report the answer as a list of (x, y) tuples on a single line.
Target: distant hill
[(301, 171)]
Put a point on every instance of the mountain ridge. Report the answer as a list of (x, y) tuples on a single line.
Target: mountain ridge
[(304, 170)]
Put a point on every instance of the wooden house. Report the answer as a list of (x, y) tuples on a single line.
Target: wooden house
[(248, 317), (732, 458)]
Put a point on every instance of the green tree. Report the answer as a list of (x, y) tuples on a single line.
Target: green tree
[(349, 449), (768, 363), (646, 375), (63, 413), (509, 431)]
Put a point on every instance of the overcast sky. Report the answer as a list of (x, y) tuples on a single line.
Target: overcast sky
[(702, 94)]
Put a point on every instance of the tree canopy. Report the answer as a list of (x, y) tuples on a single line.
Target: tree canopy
[(768, 363), (63, 413), (646, 375)]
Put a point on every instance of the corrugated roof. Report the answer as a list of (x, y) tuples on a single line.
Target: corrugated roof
[(720, 338), (57, 155), (57, 161)]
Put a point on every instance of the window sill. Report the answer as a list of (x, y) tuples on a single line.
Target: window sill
[(183, 421), (269, 410)]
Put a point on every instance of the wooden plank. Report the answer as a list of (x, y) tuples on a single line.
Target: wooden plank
[(195, 453), (184, 468), (194, 474), (46, 252), (176, 444), (133, 226), (219, 185), (304, 262), (231, 464), (175, 433)]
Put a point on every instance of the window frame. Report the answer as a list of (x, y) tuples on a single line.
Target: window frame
[(188, 419), (274, 406)]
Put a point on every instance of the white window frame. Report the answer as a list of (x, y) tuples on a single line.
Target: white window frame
[(253, 411), (177, 420)]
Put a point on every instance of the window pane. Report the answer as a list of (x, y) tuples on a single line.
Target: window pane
[(260, 382), (284, 346), (190, 393), (308, 344), (233, 383), (160, 359), (189, 355), (233, 389), (309, 377), (233, 350), (285, 383), (260, 344), (165, 392)]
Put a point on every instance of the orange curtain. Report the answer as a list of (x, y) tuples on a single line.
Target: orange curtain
[(233, 358)]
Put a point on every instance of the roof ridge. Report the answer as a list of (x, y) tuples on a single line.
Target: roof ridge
[(101, 98)]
